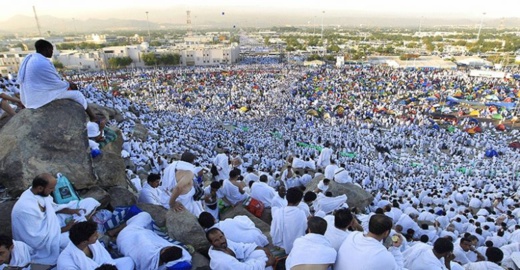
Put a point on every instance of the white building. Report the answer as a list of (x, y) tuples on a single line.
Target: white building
[(10, 61), (209, 55)]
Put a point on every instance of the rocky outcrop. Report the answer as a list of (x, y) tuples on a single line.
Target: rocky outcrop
[(108, 113), (356, 196), (140, 132), (183, 226), (121, 196), (5, 212), (241, 211), (51, 139), (97, 193), (199, 262), (157, 212)]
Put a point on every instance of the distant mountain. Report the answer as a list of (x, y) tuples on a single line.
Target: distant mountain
[(27, 25)]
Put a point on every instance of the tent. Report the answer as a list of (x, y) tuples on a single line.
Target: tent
[(474, 113), (497, 116)]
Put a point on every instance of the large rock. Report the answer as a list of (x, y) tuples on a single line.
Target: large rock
[(183, 226), (241, 211), (157, 212), (106, 112), (356, 196), (51, 139), (121, 196), (140, 132), (110, 169), (97, 193), (199, 262), (5, 212)]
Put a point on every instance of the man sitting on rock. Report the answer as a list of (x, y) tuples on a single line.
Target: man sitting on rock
[(148, 250), (150, 193), (14, 253), (85, 252), (41, 84), (228, 255), (238, 229), (41, 224)]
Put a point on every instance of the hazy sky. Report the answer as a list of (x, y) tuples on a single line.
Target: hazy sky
[(174, 10)]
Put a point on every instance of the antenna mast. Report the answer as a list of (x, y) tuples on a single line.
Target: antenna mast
[(189, 32), (37, 21)]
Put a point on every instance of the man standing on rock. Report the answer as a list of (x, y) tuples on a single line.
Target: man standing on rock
[(35, 219), (182, 194), (41, 84)]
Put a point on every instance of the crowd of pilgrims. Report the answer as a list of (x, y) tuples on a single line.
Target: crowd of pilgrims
[(443, 202)]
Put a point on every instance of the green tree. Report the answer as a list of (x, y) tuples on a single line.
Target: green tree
[(333, 48), (57, 64), (169, 59), (149, 59), (119, 62)]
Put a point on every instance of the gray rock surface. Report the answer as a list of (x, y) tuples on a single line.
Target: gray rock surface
[(240, 210), (5, 213), (97, 193), (356, 196), (51, 139), (157, 212), (140, 132), (110, 169), (183, 226), (199, 262), (121, 196)]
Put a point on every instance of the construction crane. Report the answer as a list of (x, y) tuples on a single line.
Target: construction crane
[(37, 21)]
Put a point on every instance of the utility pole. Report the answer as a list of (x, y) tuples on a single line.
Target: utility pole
[(480, 27), (37, 22), (148, 25)]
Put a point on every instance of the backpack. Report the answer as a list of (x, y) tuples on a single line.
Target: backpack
[(64, 191)]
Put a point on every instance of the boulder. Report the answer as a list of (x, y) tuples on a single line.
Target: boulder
[(356, 196), (121, 196), (51, 139), (130, 164), (5, 212), (157, 212), (140, 132), (183, 226), (199, 262), (117, 145), (97, 193), (241, 211), (110, 169)]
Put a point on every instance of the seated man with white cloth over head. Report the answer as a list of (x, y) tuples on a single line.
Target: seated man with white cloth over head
[(41, 224), (148, 250)]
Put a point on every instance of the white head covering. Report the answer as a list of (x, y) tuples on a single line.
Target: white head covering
[(93, 129)]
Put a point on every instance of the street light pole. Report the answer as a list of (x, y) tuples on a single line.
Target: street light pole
[(148, 26), (480, 27)]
